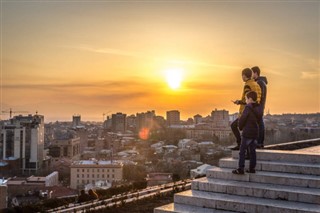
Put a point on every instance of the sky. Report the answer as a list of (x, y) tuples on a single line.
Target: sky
[(95, 58)]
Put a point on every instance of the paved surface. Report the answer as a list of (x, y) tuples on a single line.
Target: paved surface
[(313, 149)]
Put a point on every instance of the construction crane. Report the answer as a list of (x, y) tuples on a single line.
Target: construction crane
[(13, 112), (103, 115)]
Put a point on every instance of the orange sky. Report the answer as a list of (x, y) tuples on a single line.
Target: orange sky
[(65, 58)]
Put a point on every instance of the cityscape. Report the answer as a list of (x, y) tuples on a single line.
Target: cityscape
[(58, 159), (140, 106)]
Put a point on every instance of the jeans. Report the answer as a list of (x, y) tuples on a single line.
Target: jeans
[(235, 130), (261, 132), (252, 145)]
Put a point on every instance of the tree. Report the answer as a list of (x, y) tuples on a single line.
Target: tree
[(134, 172)]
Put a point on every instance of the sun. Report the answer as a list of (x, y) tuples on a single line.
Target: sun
[(174, 77)]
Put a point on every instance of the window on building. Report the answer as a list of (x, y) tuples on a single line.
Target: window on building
[(87, 170), (107, 176), (98, 170), (112, 170), (88, 175), (82, 170), (92, 175), (97, 175), (77, 170), (102, 175), (112, 176), (77, 175), (82, 175), (102, 170)]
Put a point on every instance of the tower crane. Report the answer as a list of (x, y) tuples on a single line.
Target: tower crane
[(103, 115), (13, 112)]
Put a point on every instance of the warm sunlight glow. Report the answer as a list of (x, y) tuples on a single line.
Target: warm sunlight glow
[(174, 78)]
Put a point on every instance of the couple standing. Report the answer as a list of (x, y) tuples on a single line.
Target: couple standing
[(250, 119)]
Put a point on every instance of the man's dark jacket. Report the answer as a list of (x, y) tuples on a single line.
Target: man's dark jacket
[(248, 121)]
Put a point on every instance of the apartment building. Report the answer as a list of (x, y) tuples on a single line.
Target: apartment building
[(118, 122), (22, 139), (173, 117), (92, 171)]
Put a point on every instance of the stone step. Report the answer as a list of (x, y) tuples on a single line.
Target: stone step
[(284, 156), (262, 190), (288, 167), (288, 179), (242, 203), (181, 208)]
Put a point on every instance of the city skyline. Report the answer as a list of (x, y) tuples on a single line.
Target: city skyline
[(89, 58)]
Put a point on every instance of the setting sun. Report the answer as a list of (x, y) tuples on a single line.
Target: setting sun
[(174, 77)]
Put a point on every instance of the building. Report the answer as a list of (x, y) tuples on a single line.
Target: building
[(82, 133), (50, 180), (32, 184), (220, 118), (92, 171), (206, 131), (131, 123), (145, 120), (118, 122), (187, 144), (65, 148), (3, 194), (76, 120), (22, 139), (173, 117), (197, 119)]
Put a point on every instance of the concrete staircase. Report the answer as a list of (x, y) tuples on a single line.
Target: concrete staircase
[(285, 181)]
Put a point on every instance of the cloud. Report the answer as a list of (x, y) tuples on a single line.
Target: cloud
[(135, 54), (72, 85), (310, 75), (204, 64)]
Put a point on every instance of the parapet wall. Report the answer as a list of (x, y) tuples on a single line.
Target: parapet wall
[(295, 145)]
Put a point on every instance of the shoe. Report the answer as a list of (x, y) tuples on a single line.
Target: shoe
[(236, 148), (238, 171), (250, 171)]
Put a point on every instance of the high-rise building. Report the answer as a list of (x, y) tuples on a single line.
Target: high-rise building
[(131, 122), (145, 120), (118, 122), (173, 117), (23, 139), (76, 120)]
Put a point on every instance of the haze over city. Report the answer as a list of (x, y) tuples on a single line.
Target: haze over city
[(62, 58)]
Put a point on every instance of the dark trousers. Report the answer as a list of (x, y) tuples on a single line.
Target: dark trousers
[(235, 130), (261, 132), (251, 144)]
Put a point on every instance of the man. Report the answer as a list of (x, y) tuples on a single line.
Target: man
[(262, 82), (250, 85)]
